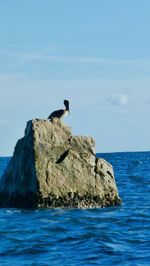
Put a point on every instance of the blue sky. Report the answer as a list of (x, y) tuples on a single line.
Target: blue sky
[(93, 52)]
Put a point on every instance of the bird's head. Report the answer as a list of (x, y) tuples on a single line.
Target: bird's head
[(66, 103)]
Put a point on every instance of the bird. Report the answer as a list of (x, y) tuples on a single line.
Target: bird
[(60, 113)]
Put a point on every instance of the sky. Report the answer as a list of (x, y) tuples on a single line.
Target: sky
[(96, 53)]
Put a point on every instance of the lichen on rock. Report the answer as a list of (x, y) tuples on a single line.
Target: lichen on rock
[(52, 168)]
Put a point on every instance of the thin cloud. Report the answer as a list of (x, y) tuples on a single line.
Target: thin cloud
[(118, 100), (4, 122), (146, 100), (71, 59), (77, 59)]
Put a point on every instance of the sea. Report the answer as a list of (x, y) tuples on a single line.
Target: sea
[(69, 237)]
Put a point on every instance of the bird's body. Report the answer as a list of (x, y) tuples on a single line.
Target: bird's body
[(60, 113)]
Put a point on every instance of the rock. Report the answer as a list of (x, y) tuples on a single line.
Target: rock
[(52, 168)]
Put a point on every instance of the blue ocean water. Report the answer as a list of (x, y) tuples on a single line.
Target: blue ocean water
[(68, 237)]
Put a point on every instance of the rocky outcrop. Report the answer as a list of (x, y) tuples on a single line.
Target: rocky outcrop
[(52, 168)]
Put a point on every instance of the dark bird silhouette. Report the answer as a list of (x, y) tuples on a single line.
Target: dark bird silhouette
[(60, 113)]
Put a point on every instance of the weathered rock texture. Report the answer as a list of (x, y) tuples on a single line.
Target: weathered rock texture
[(52, 168)]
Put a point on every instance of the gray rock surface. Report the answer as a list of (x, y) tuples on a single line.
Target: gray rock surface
[(52, 168)]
